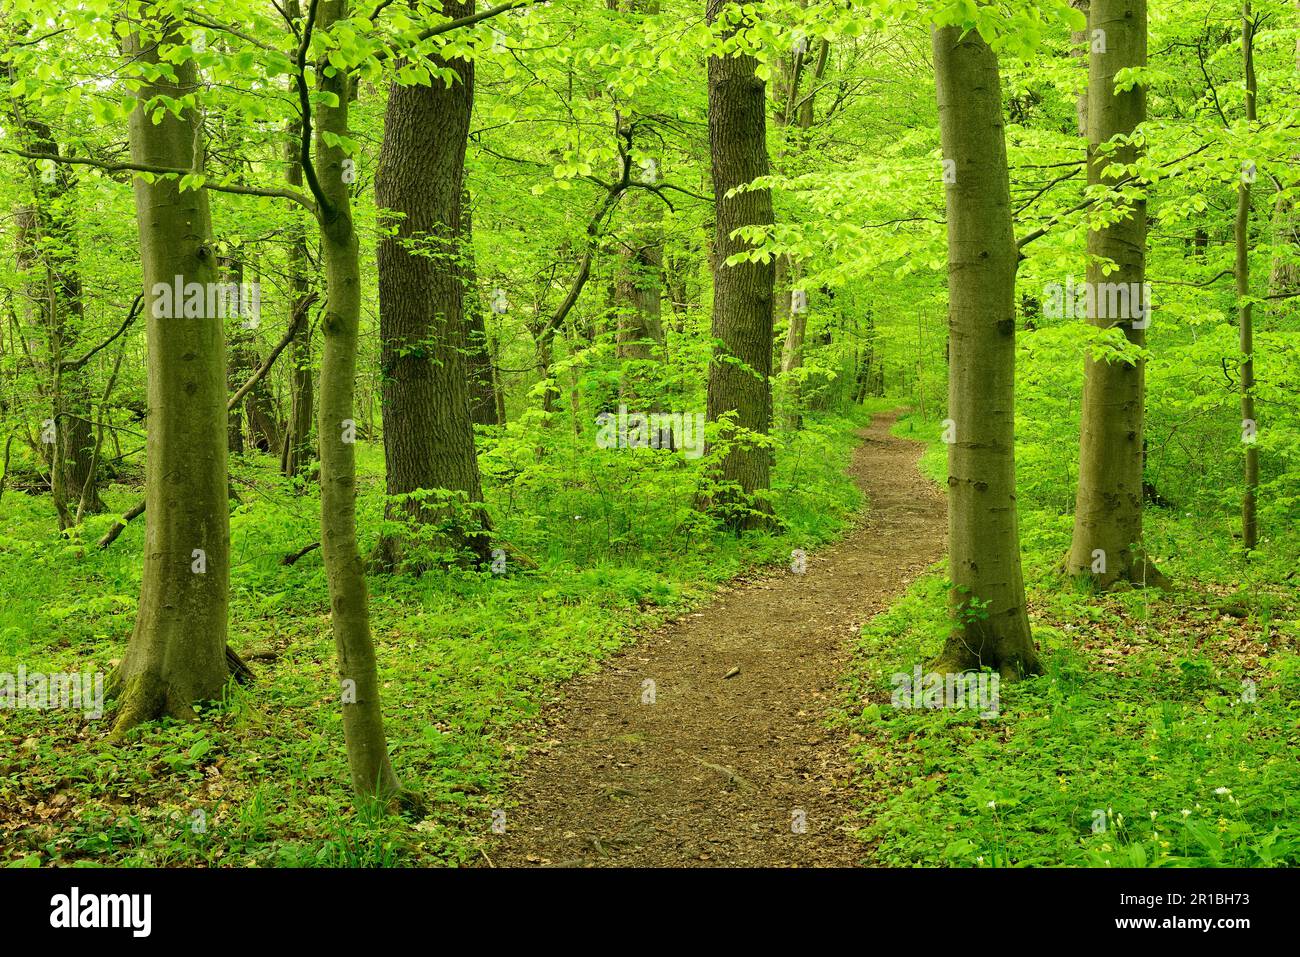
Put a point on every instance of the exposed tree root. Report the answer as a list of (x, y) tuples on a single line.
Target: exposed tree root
[(1009, 670), (1145, 574), (294, 556), (239, 669), (141, 698)]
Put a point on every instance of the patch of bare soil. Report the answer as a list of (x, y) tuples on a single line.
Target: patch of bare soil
[(739, 770)]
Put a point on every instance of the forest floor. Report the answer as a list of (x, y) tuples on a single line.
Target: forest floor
[(1163, 733), (729, 758)]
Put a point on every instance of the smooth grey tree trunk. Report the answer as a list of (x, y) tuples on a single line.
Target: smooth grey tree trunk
[(990, 624), (1107, 541), (177, 652), (363, 722)]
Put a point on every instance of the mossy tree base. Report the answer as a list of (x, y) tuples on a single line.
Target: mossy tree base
[(147, 695)]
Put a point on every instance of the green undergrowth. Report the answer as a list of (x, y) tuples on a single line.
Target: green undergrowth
[(1163, 733), (467, 659)]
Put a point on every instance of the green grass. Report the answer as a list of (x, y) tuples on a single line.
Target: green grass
[(467, 659), (1139, 747)]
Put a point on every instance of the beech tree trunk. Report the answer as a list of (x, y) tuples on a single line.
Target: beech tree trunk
[(299, 451), (739, 375), (177, 652), (792, 350), (363, 721), (428, 434), (640, 296), (1107, 541), (638, 276), (990, 624)]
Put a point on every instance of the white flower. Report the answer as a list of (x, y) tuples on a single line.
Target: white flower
[(992, 804), (1186, 813), (1222, 791)]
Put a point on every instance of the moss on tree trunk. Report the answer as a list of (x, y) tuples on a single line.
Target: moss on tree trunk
[(428, 433), (739, 374)]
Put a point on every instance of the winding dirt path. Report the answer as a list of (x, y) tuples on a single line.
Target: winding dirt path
[(718, 770)]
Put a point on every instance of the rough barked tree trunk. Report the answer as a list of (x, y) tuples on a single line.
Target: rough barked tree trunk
[(363, 720), (1107, 541), (428, 434), (990, 624), (177, 652), (739, 374)]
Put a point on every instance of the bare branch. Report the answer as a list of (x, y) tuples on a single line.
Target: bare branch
[(130, 318), (111, 535), (288, 194), (304, 106)]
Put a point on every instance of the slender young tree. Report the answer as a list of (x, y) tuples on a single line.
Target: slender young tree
[(1107, 542), (739, 375), (298, 451), (177, 652), (1245, 309), (798, 109), (638, 288), (1080, 40), (363, 721), (990, 624)]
